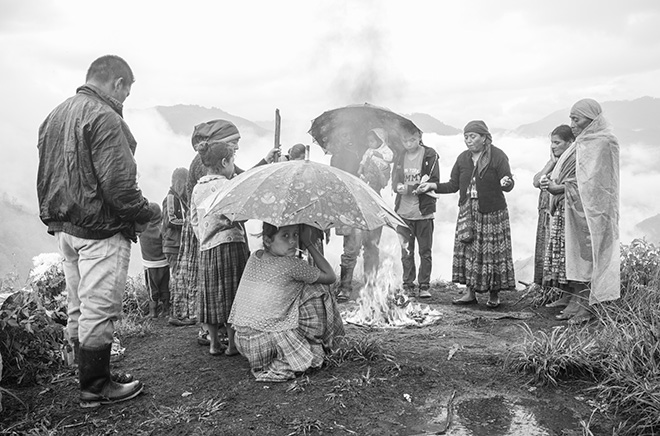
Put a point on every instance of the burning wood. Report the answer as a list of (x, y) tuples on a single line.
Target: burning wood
[(383, 304)]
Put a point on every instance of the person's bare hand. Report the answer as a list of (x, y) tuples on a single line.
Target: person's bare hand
[(273, 155), (307, 235), (424, 187), (506, 181)]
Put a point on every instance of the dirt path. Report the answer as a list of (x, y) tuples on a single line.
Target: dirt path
[(458, 362)]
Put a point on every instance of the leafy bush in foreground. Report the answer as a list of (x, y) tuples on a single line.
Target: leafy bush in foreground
[(32, 321)]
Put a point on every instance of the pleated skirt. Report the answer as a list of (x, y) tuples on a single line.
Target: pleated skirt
[(485, 264)]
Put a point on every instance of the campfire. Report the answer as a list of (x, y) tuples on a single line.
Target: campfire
[(383, 304)]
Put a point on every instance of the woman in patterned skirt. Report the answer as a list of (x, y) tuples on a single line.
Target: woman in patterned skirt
[(481, 174), (584, 248), (551, 232), (222, 243), (183, 292)]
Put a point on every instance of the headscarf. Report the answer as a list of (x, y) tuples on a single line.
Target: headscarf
[(480, 127), (179, 175), (588, 108), (214, 131), (597, 174)]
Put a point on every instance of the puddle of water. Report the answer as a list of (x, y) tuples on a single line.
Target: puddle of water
[(498, 416)]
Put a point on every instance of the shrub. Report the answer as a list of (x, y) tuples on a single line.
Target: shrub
[(622, 353), (30, 341), (640, 263)]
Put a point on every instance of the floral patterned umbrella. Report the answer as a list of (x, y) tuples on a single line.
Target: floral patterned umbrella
[(302, 192), (357, 119)]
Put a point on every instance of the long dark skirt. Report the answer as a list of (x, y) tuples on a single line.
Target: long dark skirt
[(220, 270), (183, 286), (485, 264), (554, 268), (542, 235)]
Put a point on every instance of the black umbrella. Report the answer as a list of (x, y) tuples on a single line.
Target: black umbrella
[(351, 123)]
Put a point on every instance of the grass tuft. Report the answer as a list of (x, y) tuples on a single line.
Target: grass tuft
[(565, 353), (362, 349)]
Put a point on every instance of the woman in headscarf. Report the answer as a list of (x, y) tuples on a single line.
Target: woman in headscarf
[(184, 283), (591, 210), (560, 139), (482, 175)]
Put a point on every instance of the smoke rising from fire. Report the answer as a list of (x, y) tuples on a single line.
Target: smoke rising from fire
[(359, 48)]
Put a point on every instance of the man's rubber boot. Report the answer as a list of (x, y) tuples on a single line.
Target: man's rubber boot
[(119, 377), (345, 283), (96, 385)]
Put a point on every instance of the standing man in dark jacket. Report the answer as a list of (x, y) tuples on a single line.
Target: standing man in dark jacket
[(417, 165), (90, 201)]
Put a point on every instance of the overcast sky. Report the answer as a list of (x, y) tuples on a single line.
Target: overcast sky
[(507, 62)]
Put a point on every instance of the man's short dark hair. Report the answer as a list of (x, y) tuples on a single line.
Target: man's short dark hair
[(110, 67)]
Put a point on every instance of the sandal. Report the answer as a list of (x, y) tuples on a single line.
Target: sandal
[(232, 353), (460, 302), (493, 304)]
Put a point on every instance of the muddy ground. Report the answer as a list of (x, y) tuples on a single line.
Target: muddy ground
[(454, 368)]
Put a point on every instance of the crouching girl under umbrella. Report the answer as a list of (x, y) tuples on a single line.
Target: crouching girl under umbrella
[(284, 316)]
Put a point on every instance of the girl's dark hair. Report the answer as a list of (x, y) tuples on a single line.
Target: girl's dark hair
[(269, 230), (212, 154), (564, 132)]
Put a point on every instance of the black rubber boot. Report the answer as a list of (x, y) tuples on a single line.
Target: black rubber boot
[(119, 377), (96, 385), (345, 283)]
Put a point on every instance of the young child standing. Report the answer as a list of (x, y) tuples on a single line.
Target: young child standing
[(156, 268), (175, 207), (285, 320), (375, 164), (416, 165), (223, 247)]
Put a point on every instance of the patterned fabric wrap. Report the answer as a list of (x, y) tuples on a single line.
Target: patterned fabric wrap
[(183, 286), (464, 226), (554, 264), (485, 264), (277, 356), (220, 270)]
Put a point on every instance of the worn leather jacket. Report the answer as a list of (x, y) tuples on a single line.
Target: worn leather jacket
[(86, 181)]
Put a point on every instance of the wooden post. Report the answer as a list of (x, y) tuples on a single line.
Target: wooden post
[(278, 121)]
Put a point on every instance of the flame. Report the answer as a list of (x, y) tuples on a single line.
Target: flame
[(382, 304)]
